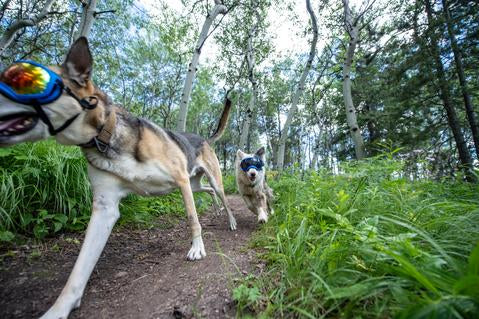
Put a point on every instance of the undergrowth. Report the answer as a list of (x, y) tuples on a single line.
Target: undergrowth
[(44, 189), (367, 244)]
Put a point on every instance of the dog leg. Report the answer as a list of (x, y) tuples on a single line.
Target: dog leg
[(104, 215), (221, 194), (262, 209), (211, 191), (197, 250)]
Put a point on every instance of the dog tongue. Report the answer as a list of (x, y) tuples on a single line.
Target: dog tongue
[(9, 123)]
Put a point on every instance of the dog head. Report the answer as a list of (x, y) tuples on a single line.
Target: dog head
[(251, 165), (21, 122)]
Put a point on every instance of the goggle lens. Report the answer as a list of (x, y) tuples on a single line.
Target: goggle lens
[(251, 161), (25, 78)]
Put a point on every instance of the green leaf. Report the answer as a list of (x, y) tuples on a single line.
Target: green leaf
[(473, 264), (409, 269), (40, 230), (57, 226), (5, 235), (5, 152), (467, 285), (26, 219), (61, 218)]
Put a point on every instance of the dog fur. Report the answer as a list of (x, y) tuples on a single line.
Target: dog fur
[(142, 158), (252, 186)]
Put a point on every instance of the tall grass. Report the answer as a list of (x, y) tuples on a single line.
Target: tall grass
[(44, 189), (368, 244)]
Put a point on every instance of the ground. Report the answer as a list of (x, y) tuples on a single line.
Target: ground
[(141, 273)]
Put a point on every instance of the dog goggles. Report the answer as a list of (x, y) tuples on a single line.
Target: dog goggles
[(30, 83), (251, 162)]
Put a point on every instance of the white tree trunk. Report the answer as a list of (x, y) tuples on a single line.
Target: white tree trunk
[(353, 30), (299, 90), (219, 8), (16, 26), (254, 86), (87, 19)]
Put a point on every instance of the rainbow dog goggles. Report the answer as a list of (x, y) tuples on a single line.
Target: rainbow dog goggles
[(30, 83)]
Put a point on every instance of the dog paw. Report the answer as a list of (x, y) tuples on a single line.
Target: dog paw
[(262, 217), (233, 224), (197, 250)]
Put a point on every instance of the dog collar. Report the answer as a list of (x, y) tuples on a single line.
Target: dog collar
[(102, 140)]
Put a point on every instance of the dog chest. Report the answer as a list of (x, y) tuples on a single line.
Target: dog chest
[(147, 178)]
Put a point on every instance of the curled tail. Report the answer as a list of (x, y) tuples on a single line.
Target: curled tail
[(222, 124)]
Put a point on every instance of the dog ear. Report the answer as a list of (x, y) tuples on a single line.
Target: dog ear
[(260, 152), (78, 64), (240, 154)]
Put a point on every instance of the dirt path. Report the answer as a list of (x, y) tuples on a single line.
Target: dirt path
[(141, 273)]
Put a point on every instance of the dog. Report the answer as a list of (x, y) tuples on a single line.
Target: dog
[(125, 154), (251, 182)]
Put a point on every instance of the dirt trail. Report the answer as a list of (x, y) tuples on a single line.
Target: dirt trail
[(141, 273)]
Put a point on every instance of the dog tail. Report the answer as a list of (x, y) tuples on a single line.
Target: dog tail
[(222, 124)]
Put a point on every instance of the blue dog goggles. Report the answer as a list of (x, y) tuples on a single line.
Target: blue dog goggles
[(30, 83), (251, 162)]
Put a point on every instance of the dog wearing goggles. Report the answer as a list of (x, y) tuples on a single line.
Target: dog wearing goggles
[(251, 182), (125, 154)]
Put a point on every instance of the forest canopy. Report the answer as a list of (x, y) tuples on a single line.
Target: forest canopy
[(410, 66)]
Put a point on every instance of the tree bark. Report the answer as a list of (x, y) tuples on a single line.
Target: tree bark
[(219, 8), (353, 29), (471, 117), (299, 90), (464, 155), (18, 25), (250, 58), (87, 19)]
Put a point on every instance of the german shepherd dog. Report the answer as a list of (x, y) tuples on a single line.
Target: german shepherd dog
[(125, 155), (251, 182)]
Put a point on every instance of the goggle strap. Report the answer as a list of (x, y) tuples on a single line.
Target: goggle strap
[(46, 120)]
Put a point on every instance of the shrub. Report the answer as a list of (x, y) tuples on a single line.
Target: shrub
[(369, 243)]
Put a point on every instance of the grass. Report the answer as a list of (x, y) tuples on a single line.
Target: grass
[(44, 190), (368, 244)]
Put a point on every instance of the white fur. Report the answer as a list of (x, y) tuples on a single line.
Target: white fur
[(197, 250)]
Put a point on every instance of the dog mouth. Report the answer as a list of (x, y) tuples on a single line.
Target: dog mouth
[(252, 178), (16, 124)]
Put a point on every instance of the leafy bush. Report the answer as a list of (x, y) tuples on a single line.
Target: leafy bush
[(229, 183), (44, 189), (368, 243)]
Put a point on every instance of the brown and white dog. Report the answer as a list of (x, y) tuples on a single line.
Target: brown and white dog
[(251, 182), (125, 155)]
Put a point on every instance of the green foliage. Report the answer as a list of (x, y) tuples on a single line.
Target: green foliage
[(229, 183), (44, 189), (368, 243)]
